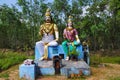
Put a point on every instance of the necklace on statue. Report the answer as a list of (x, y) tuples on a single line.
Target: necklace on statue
[(48, 28)]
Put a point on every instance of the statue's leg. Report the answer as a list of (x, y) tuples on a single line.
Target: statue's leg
[(52, 43), (65, 47), (40, 47), (73, 45)]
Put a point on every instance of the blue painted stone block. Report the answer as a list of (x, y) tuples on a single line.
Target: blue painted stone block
[(27, 72), (47, 71), (55, 51), (52, 51), (61, 51), (79, 50)]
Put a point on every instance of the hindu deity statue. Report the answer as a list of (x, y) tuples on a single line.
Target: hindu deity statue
[(50, 35), (71, 37)]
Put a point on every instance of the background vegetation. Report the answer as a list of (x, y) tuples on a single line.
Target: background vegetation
[(99, 24)]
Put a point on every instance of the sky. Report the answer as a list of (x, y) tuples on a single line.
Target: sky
[(8, 2), (13, 2)]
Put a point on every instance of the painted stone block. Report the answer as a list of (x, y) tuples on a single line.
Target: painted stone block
[(27, 71)]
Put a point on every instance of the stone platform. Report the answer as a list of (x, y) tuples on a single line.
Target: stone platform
[(67, 68), (47, 67)]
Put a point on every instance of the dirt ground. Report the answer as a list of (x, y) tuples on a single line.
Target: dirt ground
[(102, 72)]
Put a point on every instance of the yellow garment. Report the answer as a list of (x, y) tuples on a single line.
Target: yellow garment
[(45, 56)]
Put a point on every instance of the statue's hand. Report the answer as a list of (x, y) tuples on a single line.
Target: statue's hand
[(45, 43), (56, 39)]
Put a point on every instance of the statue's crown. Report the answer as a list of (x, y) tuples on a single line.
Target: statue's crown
[(70, 19), (48, 13)]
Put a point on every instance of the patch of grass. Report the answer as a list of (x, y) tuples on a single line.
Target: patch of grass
[(96, 59), (11, 58), (115, 78), (111, 60)]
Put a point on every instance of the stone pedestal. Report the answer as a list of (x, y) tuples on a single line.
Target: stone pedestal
[(27, 72), (58, 51)]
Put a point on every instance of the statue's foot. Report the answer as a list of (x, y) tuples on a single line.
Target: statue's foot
[(41, 58), (67, 58)]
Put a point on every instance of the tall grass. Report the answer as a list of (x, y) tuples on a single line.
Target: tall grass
[(10, 58)]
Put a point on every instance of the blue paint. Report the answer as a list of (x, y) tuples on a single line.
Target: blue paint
[(27, 72), (79, 49), (47, 71), (52, 51)]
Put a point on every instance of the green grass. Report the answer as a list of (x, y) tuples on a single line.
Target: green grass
[(111, 60), (11, 58), (115, 78), (96, 59)]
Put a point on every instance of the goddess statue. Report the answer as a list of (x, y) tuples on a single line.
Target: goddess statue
[(71, 38)]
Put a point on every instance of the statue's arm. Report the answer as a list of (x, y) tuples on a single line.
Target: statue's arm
[(77, 39), (56, 32), (76, 36), (41, 30)]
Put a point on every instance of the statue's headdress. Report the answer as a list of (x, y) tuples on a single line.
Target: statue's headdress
[(48, 13), (70, 19)]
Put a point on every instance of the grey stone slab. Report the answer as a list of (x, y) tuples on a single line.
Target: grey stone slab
[(45, 64), (75, 64), (67, 64)]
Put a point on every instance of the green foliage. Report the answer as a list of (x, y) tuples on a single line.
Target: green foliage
[(100, 24)]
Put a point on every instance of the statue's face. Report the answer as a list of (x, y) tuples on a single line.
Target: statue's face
[(48, 19), (69, 24)]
